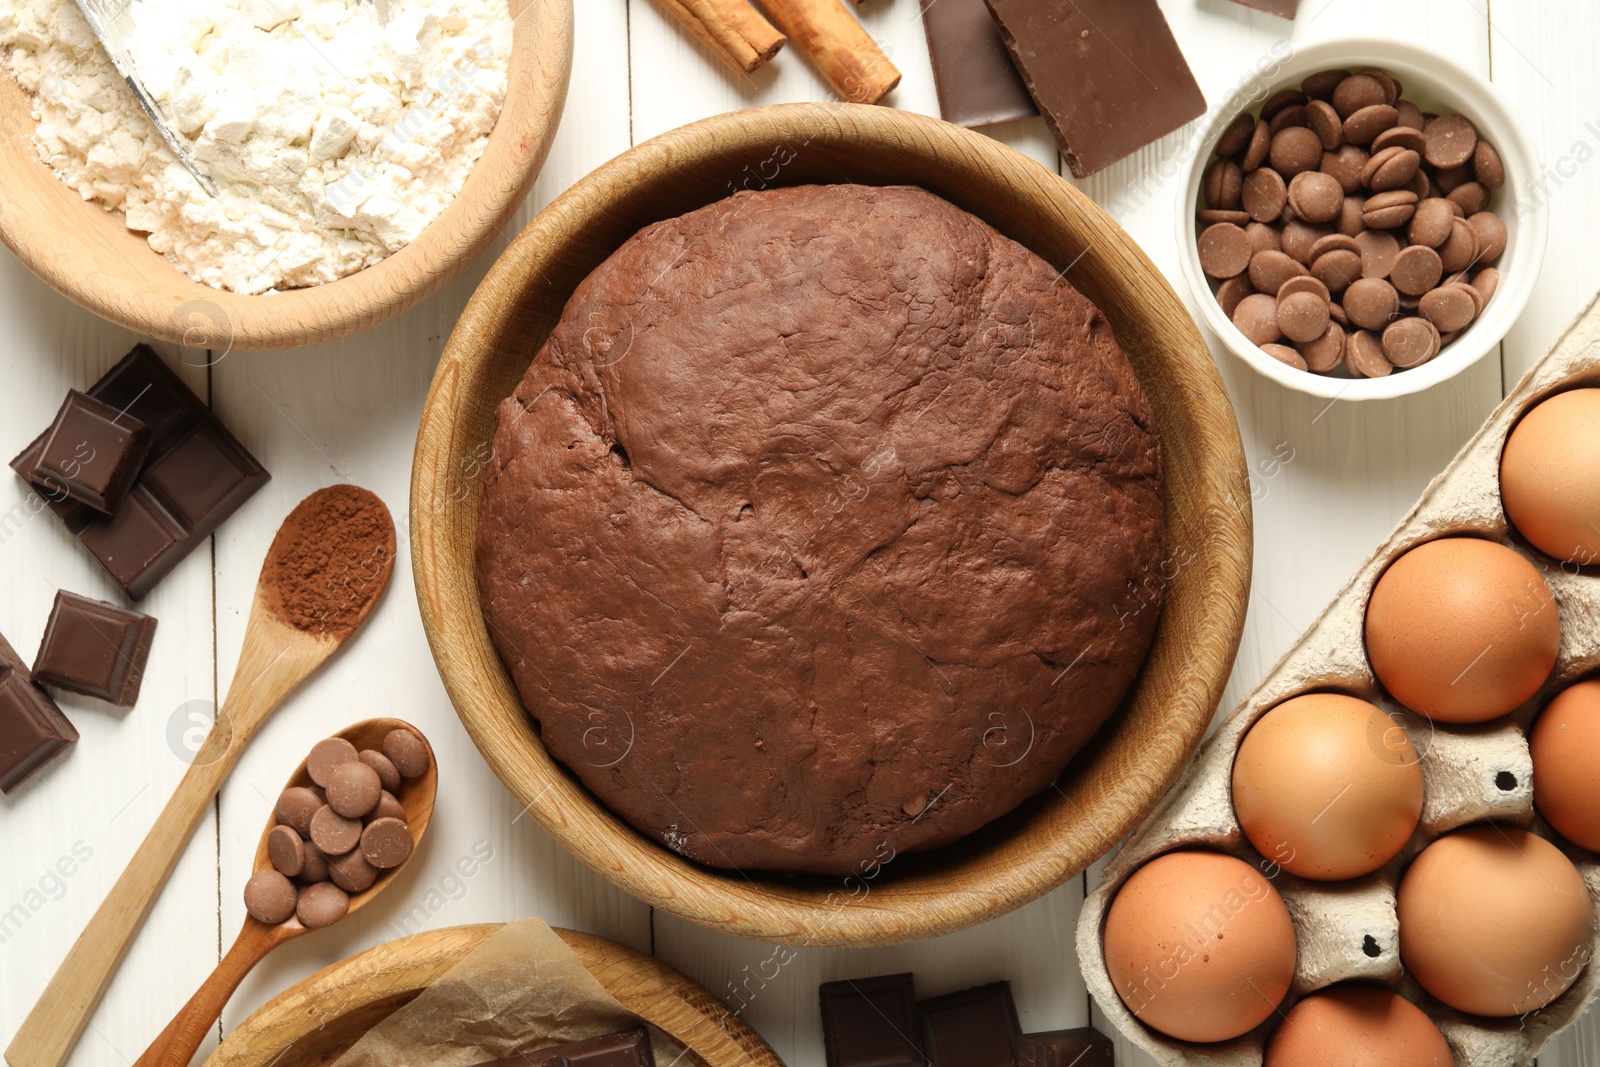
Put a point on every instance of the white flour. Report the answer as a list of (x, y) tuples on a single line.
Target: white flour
[(334, 140)]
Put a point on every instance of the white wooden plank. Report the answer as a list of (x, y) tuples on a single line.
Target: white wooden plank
[(1540, 55), (348, 412), (89, 810)]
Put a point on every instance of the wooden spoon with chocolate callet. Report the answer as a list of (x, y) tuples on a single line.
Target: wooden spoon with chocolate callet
[(329, 562), (181, 1039)]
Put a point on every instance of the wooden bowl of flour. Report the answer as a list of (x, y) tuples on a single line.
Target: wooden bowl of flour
[(1112, 784), (89, 255)]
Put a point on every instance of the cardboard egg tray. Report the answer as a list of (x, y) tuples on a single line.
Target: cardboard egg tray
[(1349, 930)]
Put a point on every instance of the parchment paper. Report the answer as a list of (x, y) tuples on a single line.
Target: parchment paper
[(522, 989)]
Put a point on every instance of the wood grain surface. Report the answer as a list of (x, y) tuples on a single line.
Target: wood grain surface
[(86, 253), (1328, 483)]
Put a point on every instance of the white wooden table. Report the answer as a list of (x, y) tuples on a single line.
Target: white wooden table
[(349, 411)]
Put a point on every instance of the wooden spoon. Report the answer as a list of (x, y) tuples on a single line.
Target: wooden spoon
[(178, 1042), (328, 563)]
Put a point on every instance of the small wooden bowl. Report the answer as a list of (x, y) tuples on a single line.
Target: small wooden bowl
[(316, 1021), (90, 256), (1131, 762)]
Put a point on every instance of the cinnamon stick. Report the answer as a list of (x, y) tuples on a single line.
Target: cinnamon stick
[(844, 53), (732, 29)]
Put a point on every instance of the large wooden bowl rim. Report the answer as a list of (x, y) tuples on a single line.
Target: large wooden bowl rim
[(317, 1020), (1113, 783), (90, 256)]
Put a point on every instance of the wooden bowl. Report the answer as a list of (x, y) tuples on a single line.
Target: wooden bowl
[(1134, 758), (315, 1022), (90, 256)]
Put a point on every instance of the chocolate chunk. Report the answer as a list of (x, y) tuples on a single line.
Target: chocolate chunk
[(627, 1048), (94, 648), (1284, 9), (972, 71), (871, 1022), (973, 1028), (196, 475), (92, 453), (1107, 74), (32, 729), (1083, 1047)]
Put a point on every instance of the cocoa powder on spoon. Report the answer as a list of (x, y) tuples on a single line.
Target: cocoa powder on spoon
[(334, 554)]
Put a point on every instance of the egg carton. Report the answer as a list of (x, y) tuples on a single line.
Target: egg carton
[(1350, 930)]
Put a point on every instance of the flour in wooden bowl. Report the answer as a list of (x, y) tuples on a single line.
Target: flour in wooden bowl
[(334, 138)]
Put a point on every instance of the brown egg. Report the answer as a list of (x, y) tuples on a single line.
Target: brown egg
[(1565, 743), (1357, 1026), (1462, 630), (1494, 920), (1327, 786), (1199, 946), (1550, 476)]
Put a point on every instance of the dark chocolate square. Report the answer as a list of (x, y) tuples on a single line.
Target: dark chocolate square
[(32, 729), (92, 452), (1108, 75), (871, 1022), (977, 83), (196, 476), (1284, 9), (1082, 1047), (139, 545), (199, 475), (976, 1027), (94, 648)]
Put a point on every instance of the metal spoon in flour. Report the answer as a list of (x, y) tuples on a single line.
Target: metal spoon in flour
[(112, 22)]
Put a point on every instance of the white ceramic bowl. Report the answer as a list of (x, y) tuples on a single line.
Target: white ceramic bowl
[(1435, 83)]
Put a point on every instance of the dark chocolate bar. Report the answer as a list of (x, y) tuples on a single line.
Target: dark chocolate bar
[(94, 648), (1082, 1047), (32, 729), (92, 453), (972, 72), (871, 1022), (627, 1048), (1107, 74), (1284, 9), (197, 474), (973, 1028)]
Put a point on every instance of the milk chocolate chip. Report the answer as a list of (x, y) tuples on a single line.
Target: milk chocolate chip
[(354, 787), (407, 751), (386, 843), (325, 756), (333, 833), (388, 773), (1224, 250), (286, 850), (296, 805), (321, 905), (269, 897)]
